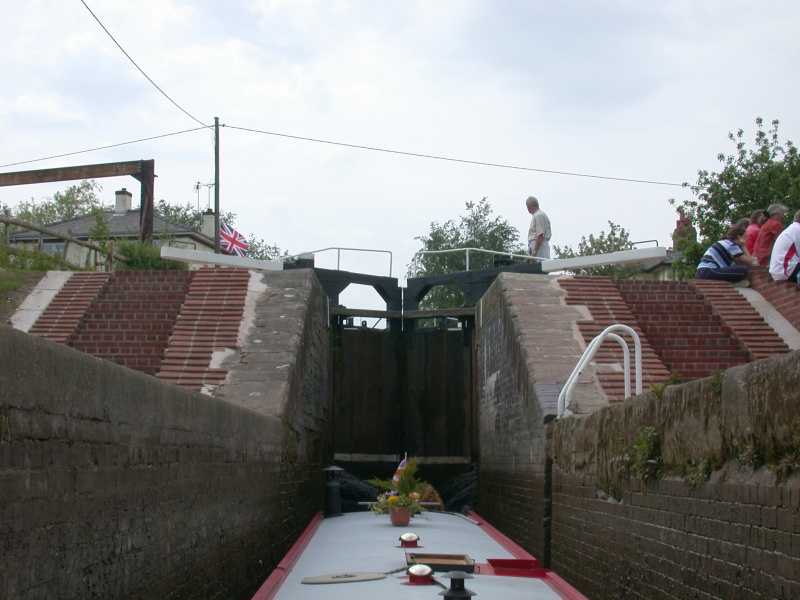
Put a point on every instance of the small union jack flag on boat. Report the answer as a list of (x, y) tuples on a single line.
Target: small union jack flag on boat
[(398, 473), (232, 241)]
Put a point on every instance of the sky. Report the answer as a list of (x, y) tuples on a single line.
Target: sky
[(611, 91)]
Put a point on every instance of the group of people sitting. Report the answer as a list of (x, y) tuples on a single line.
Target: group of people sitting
[(761, 240)]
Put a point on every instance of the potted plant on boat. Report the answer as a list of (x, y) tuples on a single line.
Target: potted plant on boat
[(400, 498)]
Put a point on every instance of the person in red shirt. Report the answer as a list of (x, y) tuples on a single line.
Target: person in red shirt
[(769, 232), (757, 219)]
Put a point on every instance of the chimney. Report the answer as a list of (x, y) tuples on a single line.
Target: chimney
[(123, 202), (208, 224)]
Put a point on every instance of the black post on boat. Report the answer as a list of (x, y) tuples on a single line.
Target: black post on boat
[(333, 492), (457, 589)]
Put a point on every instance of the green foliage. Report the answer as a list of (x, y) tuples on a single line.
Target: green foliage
[(715, 381), (749, 453), (475, 229), (404, 492), (617, 239), (788, 460), (141, 256), (28, 260), (748, 180), (100, 233), (685, 266), (75, 201), (186, 215), (642, 459), (674, 378), (260, 250), (696, 473)]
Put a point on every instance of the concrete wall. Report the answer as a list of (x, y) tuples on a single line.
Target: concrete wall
[(116, 484)]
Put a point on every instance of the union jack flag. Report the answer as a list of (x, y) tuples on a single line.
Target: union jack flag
[(232, 241), (398, 473)]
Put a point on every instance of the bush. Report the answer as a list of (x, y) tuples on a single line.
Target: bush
[(144, 257)]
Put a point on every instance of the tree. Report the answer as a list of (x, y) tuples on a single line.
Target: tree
[(476, 229), (749, 179), (617, 239), (75, 201)]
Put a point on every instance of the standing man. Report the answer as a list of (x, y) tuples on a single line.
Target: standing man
[(785, 262), (539, 231)]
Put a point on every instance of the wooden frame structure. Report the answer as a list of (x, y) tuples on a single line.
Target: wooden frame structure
[(142, 170)]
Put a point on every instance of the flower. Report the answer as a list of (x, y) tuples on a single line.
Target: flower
[(401, 491)]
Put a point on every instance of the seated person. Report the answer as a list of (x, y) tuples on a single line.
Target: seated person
[(769, 232), (718, 261), (757, 219), (785, 262)]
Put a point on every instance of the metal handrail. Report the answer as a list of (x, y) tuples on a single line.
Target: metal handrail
[(339, 255), (565, 397), (468, 250)]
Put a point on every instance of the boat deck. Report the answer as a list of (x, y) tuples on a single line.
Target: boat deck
[(363, 542)]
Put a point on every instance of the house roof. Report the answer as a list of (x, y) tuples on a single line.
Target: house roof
[(121, 225)]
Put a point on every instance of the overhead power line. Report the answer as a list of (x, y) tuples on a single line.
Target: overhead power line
[(139, 68), (458, 160), (155, 137)]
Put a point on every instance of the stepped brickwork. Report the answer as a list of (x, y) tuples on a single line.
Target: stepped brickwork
[(63, 314), (690, 339), (164, 323), (692, 328), (208, 322), (132, 318), (607, 307), (756, 337), (783, 295)]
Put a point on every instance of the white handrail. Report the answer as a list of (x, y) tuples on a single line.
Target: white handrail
[(479, 250), (565, 396), (339, 254)]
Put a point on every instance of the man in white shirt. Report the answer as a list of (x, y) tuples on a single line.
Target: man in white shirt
[(784, 263), (539, 231)]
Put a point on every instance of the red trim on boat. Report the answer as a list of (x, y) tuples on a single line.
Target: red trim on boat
[(561, 587), (273, 583), (515, 549)]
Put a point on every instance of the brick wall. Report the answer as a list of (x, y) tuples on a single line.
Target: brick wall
[(116, 484), (734, 535), (783, 295)]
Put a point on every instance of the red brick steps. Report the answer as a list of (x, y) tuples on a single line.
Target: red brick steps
[(690, 327), (209, 322), (61, 317), (607, 307)]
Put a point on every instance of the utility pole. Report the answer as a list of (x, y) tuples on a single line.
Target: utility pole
[(216, 185)]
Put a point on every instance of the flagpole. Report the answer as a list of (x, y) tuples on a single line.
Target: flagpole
[(216, 185)]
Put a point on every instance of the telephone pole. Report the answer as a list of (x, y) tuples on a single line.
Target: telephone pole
[(216, 185)]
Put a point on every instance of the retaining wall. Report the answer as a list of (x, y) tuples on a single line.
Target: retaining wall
[(722, 517), (116, 484)]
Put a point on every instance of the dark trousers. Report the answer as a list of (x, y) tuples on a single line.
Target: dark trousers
[(733, 273)]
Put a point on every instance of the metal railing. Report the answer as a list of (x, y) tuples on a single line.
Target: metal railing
[(565, 397), (339, 255), (479, 250)]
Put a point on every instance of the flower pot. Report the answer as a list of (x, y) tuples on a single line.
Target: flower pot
[(400, 515)]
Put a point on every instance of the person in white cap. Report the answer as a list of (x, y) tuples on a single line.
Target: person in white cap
[(539, 231)]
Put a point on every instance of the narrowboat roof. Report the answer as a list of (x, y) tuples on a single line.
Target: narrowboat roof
[(338, 549)]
